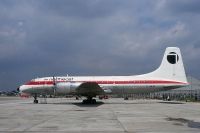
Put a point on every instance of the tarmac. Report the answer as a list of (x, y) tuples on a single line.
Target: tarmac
[(112, 115)]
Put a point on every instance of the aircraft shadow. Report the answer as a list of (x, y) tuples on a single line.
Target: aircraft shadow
[(99, 103), (80, 104), (172, 102)]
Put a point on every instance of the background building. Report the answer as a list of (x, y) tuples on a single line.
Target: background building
[(191, 92), (188, 93)]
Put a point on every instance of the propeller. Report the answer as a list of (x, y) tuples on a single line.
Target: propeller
[(18, 90), (54, 85)]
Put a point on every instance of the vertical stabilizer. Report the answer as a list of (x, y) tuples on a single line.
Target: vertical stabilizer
[(171, 66)]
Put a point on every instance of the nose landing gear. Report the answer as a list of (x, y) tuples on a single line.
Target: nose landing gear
[(35, 99)]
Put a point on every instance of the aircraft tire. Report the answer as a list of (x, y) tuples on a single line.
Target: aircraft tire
[(93, 101), (35, 101), (87, 101)]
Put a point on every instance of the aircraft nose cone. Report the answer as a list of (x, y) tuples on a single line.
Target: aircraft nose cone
[(20, 88)]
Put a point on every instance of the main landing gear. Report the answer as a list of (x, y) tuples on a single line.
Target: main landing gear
[(35, 99), (89, 100)]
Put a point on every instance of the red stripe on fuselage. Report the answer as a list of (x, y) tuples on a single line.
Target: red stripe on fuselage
[(110, 82)]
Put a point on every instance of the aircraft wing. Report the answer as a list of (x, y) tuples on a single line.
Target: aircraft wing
[(89, 89)]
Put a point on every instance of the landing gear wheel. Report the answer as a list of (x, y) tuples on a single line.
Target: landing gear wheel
[(93, 101), (35, 101), (89, 101), (84, 101), (126, 98)]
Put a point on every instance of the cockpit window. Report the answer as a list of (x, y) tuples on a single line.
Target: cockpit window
[(32, 79)]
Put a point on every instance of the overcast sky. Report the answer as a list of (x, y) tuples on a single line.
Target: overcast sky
[(94, 37)]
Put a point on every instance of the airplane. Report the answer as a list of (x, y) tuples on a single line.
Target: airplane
[(169, 75)]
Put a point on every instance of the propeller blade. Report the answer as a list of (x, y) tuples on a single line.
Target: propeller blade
[(54, 86)]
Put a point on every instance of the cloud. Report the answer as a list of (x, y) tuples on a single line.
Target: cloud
[(179, 6), (98, 37)]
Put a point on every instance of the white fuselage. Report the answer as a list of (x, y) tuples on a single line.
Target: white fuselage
[(110, 84)]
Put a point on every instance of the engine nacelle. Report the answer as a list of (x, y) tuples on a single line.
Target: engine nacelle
[(66, 87)]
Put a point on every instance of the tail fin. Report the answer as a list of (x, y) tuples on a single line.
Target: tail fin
[(172, 66)]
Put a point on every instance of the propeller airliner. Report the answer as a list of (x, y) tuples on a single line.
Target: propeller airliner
[(169, 75)]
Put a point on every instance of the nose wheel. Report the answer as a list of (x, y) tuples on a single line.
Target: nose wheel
[(35, 99)]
